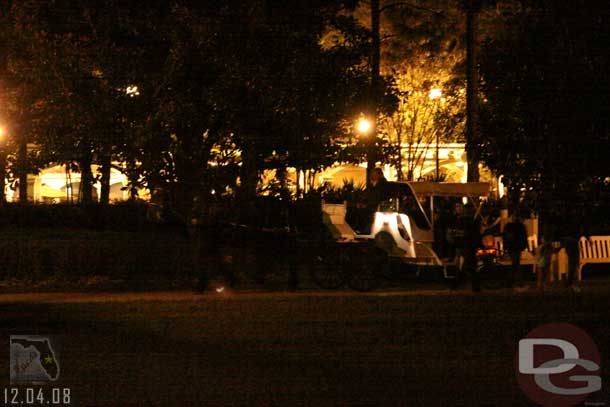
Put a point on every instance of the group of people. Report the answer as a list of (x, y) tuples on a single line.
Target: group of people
[(461, 231)]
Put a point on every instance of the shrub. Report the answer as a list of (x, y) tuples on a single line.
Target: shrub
[(86, 253), (120, 216), (348, 192)]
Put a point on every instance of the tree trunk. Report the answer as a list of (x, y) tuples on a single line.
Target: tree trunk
[(69, 192), (312, 179), (86, 180), (375, 84), (472, 153), (399, 174), (105, 180), (298, 183), (23, 170), (282, 176), (2, 176), (248, 175), (132, 179)]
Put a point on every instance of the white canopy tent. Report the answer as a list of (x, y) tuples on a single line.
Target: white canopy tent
[(451, 189), (471, 190)]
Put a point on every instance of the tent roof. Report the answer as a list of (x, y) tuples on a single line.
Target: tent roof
[(50, 192), (450, 189)]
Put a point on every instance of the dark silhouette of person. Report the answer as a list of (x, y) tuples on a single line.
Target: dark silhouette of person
[(454, 233), (211, 257), (471, 241), (515, 241), (375, 193)]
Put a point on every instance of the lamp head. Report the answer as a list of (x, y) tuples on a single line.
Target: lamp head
[(363, 125), (435, 93)]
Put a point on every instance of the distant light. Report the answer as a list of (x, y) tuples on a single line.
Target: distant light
[(364, 126), (2, 132), (220, 289), (132, 91), (435, 93), (213, 192)]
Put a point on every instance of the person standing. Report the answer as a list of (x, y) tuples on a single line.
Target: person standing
[(471, 241), (515, 241), (454, 233), (375, 193)]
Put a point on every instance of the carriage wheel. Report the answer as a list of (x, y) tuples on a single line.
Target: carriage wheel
[(366, 271), (328, 269), (364, 278)]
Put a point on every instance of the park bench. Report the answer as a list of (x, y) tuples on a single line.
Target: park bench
[(593, 249)]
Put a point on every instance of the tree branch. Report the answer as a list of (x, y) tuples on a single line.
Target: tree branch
[(409, 5), (388, 36)]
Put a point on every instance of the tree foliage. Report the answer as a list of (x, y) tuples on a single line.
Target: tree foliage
[(256, 76), (546, 108)]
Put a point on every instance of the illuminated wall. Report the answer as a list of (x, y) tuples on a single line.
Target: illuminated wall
[(452, 165), (55, 185)]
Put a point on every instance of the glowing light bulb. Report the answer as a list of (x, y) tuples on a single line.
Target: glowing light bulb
[(364, 126)]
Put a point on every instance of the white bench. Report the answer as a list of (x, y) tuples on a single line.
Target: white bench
[(594, 249), (558, 262)]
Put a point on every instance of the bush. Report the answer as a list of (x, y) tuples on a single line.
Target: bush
[(74, 254), (120, 216), (69, 243), (348, 192)]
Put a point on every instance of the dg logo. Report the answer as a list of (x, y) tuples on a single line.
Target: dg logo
[(558, 365)]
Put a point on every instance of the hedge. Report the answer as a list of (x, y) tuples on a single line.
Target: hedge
[(36, 259), (122, 216)]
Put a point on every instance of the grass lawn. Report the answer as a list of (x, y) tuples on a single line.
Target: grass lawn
[(311, 349)]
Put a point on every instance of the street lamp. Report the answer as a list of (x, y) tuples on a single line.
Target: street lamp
[(436, 94), (364, 126)]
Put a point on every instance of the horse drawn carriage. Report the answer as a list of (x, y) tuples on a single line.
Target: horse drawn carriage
[(399, 231)]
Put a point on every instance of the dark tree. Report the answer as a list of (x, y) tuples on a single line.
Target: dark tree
[(546, 117)]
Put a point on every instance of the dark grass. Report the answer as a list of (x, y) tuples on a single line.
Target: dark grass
[(445, 349)]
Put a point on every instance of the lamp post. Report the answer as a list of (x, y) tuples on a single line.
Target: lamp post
[(375, 86), (435, 94), (365, 128)]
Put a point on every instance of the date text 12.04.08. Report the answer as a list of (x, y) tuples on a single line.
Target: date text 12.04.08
[(24, 396)]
